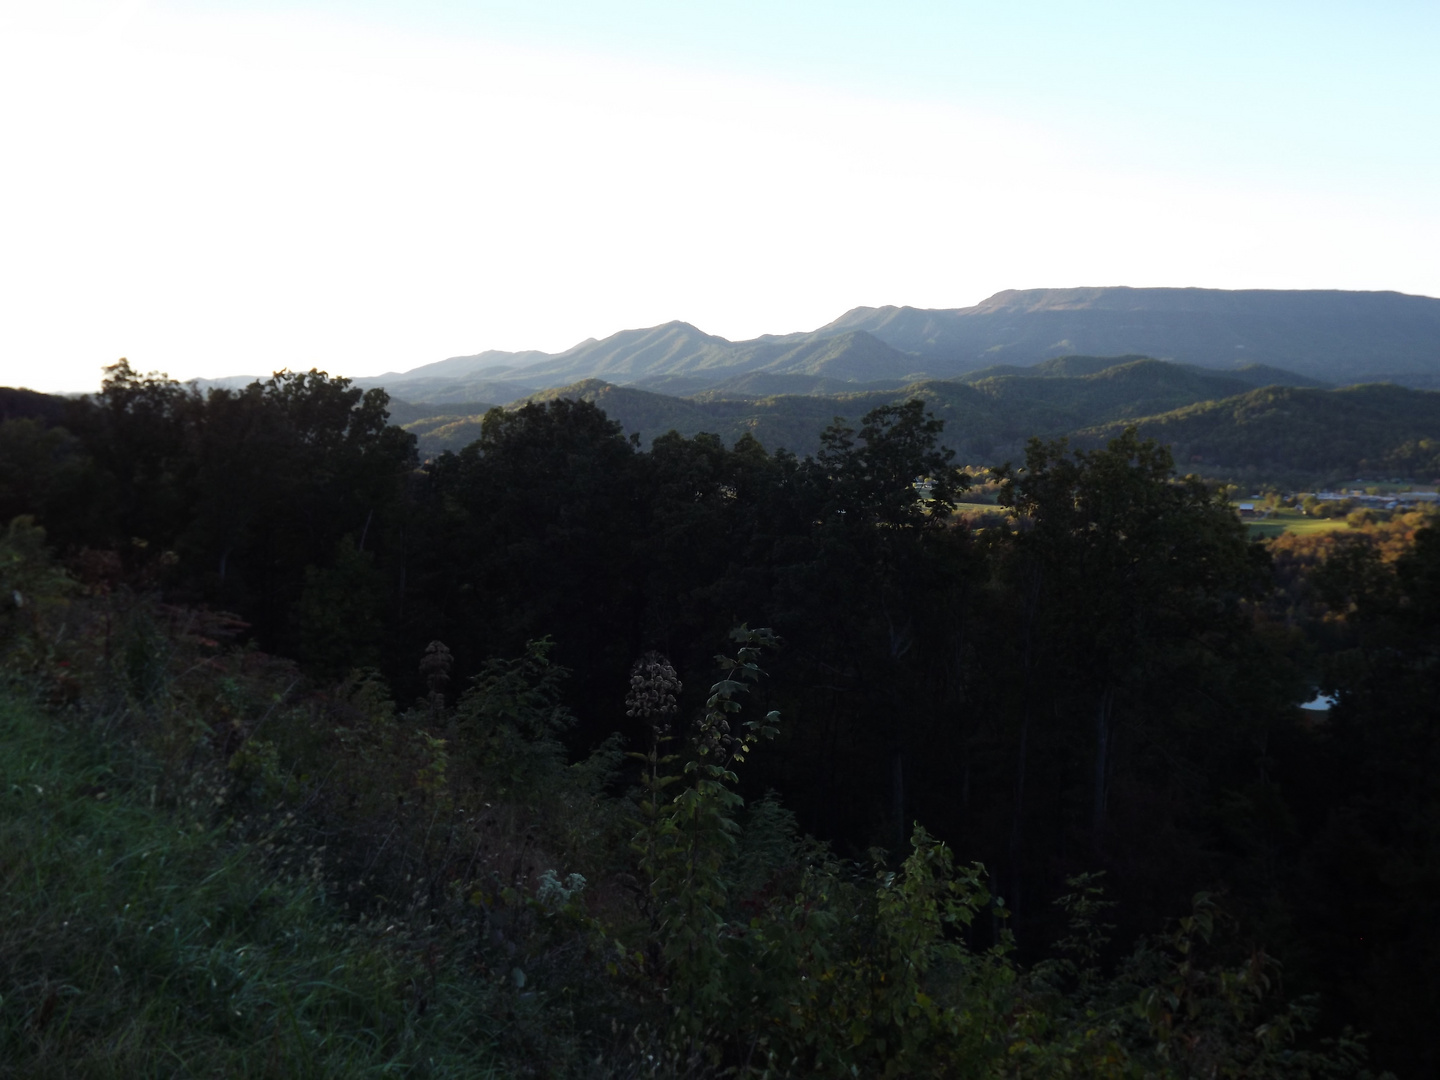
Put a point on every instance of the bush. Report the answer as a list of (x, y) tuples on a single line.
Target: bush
[(215, 866)]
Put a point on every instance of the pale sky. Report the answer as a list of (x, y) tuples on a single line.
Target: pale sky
[(216, 187)]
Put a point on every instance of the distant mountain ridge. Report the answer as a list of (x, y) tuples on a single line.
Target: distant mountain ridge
[(1327, 336), (1218, 424), (675, 356), (987, 417), (1338, 336)]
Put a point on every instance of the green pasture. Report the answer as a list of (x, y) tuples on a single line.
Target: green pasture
[(1292, 521), (1283, 520)]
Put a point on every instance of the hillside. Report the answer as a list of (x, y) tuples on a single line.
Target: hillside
[(1277, 432), (1219, 422), (18, 404), (675, 358), (1064, 366), (426, 417), (987, 419), (492, 363), (450, 430)]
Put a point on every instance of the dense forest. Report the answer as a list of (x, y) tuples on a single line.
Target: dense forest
[(1031, 798)]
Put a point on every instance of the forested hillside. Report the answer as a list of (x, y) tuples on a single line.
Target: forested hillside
[(674, 357), (598, 756), (1287, 432), (1291, 434), (20, 404)]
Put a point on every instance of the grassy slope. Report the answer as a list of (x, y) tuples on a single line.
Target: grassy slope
[(423, 417), (135, 942), (1293, 521)]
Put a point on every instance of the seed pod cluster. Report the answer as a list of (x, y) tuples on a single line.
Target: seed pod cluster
[(653, 690)]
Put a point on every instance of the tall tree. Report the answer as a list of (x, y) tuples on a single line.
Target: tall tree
[(530, 531), (1132, 583)]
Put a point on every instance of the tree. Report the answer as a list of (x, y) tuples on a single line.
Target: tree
[(45, 472), (136, 430), (533, 530), (284, 468), (1132, 582), (1367, 799), (870, 582), (875, 482)]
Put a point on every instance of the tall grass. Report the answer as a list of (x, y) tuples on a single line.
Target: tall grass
[(138, 941)]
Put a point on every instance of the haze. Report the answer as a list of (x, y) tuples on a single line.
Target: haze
[(217, 188)]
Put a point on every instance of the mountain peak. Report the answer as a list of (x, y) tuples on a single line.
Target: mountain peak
[(1329, 336)]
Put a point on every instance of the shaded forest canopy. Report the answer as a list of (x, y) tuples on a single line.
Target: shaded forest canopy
[(1108, 680)]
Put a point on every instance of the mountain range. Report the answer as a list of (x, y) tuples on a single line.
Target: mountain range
[(1283, 382), (1325, 335), (988, 415), (1254, 424)]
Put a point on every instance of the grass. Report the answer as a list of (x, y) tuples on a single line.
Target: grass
[(1289, 520), (138, 941)]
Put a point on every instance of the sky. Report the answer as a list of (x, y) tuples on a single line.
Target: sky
[(217, 187)]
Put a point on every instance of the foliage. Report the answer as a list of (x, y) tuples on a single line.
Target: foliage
[(1287, 434), (254, 491), (1102, 675), (140, 944), (1266, 424)]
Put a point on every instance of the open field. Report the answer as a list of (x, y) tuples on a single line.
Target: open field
[(1279, 522), (1293, 521)]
